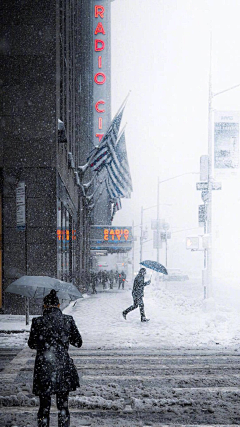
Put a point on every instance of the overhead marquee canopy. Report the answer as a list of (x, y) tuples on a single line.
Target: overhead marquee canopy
[(112, 239)]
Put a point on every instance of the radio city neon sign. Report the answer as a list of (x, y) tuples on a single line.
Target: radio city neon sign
[(99, 77), (118, 233)]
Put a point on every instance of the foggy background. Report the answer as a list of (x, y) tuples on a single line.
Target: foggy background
[(161, 52)]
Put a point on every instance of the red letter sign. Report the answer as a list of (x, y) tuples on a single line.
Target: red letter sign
[(99, 11), (99, 29), (99, 136), (98, 49), (96, 106), (97, 80)]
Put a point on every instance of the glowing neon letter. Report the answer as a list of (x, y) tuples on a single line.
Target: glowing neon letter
[(97, 48), (97, 104), (99, 136), (96, 78), (99, 29), (100, 123), (99, 11)]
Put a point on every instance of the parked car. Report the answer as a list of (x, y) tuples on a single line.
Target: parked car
[(174, 274)]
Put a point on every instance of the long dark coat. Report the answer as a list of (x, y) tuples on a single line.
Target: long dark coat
[(138, 287), (50, 335)]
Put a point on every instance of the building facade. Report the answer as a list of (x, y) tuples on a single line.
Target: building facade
[(96, 108), (47, 114)]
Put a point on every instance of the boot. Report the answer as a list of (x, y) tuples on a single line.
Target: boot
[(144, 319), (43, 422), (63, 421), (124, 315)]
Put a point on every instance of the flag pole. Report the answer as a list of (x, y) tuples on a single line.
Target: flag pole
[(122, 105)]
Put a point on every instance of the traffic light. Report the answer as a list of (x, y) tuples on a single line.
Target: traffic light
[(192, 243)]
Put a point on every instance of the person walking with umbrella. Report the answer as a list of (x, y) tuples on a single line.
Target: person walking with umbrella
[(54, 370), (138, 294)]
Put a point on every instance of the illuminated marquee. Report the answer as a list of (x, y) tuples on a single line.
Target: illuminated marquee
[(100, 68), (113, 239), (115, 234), (65, 235)]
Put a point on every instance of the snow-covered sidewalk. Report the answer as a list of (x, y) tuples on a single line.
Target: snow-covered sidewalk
[(179, 318)]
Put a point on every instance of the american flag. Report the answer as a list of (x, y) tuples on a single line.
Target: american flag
[(102, 154), (119, 178)]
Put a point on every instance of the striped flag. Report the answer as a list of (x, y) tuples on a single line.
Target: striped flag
[(119, 181), (113, 190), (102, 154)]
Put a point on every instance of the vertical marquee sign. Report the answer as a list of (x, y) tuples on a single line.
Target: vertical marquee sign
[(101, 68)]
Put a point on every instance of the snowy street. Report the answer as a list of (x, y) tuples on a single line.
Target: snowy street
[(181, 368), (135, 389), (179, 318)]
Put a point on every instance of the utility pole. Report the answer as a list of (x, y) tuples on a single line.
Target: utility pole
[(210, 180)]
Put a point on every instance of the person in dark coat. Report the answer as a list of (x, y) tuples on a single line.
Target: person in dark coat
[(104, 279), (111, 278), (123, 275), (94, 282), (138, 294), (120, 280), (116, 277), (54, 370)]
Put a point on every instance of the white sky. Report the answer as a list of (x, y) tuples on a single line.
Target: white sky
[(161, 51)]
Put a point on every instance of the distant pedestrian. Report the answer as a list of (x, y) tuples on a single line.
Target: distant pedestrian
[(119, 280), (94, 282), (138, 294), (124, 276), (104, 279), (54, 370), (111, 278), (100, 276), (116, 274)]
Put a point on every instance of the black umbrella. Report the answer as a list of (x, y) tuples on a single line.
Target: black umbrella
[(154, 265), (39, 286)]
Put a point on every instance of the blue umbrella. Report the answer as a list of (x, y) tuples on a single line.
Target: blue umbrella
[(154, 265)]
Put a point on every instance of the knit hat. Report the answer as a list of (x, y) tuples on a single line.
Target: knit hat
[(51, 299)]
